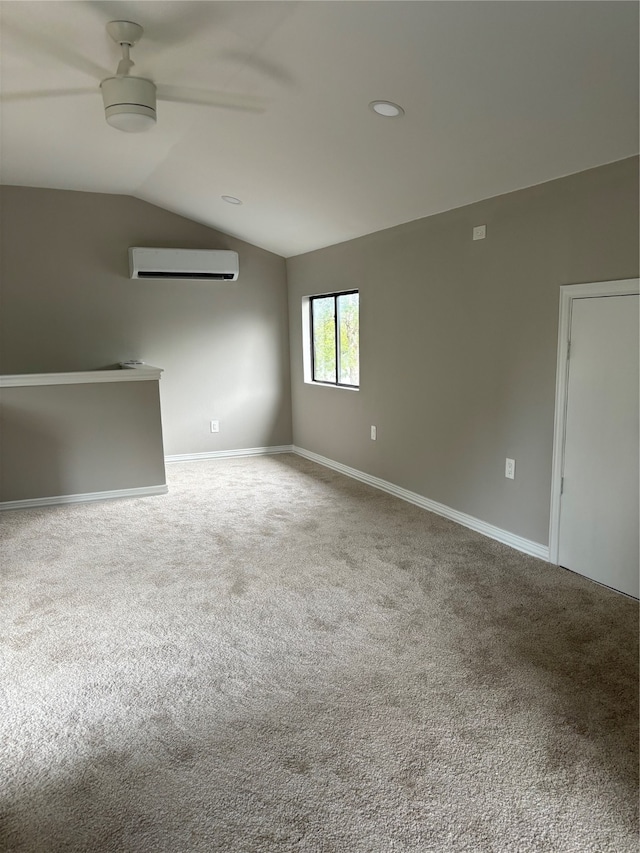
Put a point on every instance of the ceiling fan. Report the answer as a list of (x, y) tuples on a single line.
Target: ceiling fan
[(129, 101)]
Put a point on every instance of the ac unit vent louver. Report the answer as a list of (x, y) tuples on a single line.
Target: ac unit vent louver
[(198, 276)]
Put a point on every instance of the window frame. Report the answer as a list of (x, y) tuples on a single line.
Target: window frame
[(336, 321)]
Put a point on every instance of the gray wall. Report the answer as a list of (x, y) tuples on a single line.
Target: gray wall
[(74, 439), (68, 304), (458, 341)]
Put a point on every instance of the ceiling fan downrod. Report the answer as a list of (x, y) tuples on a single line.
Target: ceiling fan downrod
[(126, 34), (126, 63)]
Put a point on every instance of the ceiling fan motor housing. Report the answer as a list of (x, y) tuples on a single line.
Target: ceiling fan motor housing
[(129, 103)]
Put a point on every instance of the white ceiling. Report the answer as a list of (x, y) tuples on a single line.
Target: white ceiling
[(498, 96)]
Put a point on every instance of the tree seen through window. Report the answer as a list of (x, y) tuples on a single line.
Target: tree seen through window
[(335, 328)]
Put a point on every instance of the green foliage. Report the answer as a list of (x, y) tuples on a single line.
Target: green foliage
[(324, 346), (349, 329), (324, 339)]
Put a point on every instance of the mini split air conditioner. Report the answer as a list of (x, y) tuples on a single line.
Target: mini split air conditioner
[(194, 264)]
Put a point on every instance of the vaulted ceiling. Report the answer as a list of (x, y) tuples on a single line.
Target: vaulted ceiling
[(497, 96)]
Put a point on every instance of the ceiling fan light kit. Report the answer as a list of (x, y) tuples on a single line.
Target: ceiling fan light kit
[(129, 103)]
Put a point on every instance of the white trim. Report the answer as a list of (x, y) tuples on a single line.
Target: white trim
[(534, 549), (569, 292), (30, 503), (306, 339), (86, 377), (332, 385), (227, 454)]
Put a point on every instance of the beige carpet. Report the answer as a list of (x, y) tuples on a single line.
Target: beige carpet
[(276, 658)]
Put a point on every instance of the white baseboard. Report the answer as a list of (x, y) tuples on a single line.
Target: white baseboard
[(227, 454), (30, 503), (526, 546), (534, 549)]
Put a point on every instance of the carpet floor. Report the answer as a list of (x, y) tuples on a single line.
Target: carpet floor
[(275, 658)]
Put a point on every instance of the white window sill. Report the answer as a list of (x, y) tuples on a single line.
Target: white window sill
[(330, 385)]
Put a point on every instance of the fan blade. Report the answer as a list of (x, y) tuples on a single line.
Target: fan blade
[(62, 52), (208, 98), (264, 67), (44, 93)]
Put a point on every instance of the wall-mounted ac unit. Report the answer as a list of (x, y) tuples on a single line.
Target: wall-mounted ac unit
[(194, 264)]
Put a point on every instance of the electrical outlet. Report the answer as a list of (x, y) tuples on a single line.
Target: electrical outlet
[(510, 469), (479, 232), (215, 426), (374, 433)]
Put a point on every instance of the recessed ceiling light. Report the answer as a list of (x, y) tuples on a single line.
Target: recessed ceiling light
[(386, 108), (231, 199)]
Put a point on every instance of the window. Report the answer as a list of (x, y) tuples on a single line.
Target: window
[(335, 329)]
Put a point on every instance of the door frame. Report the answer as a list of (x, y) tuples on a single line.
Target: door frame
[(569, 292)]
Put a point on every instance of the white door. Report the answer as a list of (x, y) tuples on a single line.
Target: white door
[(599, 507)]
